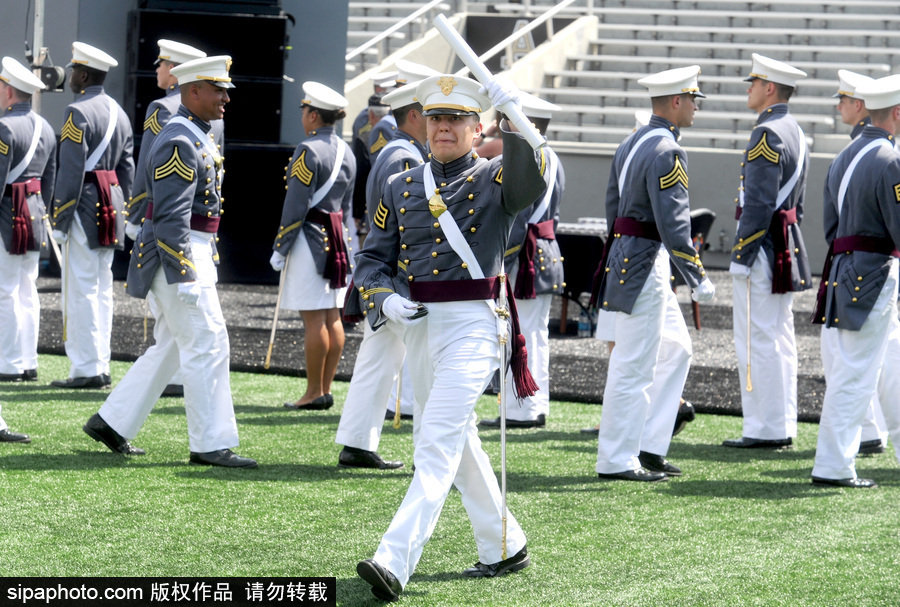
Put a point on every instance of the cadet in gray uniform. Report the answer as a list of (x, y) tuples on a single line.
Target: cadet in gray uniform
[(94, 180), (534, 264), (383, 131), (317, 208), (852, 108), (381, 355), (362, 126), (648, 212), (27, 169), (448, 222), (159, 112), (768, 260), (173, 259), (858, 297)]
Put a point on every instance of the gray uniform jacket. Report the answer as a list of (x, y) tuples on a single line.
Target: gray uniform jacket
[(182, 180), (768, 164), (871, 208), (380, 135), (159, 112), (548, 267), (83, 130), (16, 133), (394, 159), (483, 196), (309, 168), (655, 191)]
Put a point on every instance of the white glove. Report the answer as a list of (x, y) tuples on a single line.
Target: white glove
[(189, 292), (398, 308), (132, 230), (739, 271), (60, 237), (500, 92), (704, 292), (277, 261)]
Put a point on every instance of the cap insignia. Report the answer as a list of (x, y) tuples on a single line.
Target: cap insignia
[(447, 83)]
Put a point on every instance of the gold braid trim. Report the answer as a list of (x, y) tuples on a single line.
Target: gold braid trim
[(179, 256)]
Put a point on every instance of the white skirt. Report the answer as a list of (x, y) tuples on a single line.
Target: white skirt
[(304, 287)]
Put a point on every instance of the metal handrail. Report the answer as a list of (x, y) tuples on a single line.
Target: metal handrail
[(386, 33), (507, 42)]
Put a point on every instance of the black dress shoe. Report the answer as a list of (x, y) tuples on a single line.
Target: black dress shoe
[(97, 381), (390, 415), (13, 437), (173, 390), (100, 431), (385, 584), (223, 457), (853, 483), (351, 457), (516, 562), (594, 431), (318, 404), (540, 422), (11, 377), (871, 447), (642, 475), (757, 443), (29, 375), (657, 463), (685, 415)]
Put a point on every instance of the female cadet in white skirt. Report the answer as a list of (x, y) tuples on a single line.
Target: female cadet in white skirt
[(311, 245)]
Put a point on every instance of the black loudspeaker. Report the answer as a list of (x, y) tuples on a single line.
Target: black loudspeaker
[(256, 7), (256, 44)]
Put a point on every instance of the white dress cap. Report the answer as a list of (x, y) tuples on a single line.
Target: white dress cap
[(535, 107), (409, 72), (881, 93), (86, 55), (849, 82), (447, 94), (774, 71), (212, 69), (678, 81), (320, 96), (401, 97), (176, 52), (20, 77), (641, 118), (384, 79)]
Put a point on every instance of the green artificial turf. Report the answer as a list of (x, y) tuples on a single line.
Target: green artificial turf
[(739, 528)]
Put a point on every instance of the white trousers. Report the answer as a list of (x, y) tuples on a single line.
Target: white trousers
[(453, 353), (888, 396), (200, 348), (647, 371), (852, 383), (161, 334), (3, 425), (20, 311), (534, 320), (87, 303), (406, 396), (770, 410), (379, 361)]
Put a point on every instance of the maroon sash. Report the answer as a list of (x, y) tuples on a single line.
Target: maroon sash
[(525, 277), (867, 244), (106, 213), (22, 232), (351, 312), (200, 223), (621, 226), (483, 288), (337, 262), (781, 274)]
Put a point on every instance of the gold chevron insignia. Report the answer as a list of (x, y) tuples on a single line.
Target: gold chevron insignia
[(365, 128), (4, 149), (152, 123), (70, 131), (897, 191), (762, 149), (676, 175), (499, 177), (379, 143), (381, 215), (300, 170), (174, 165)]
